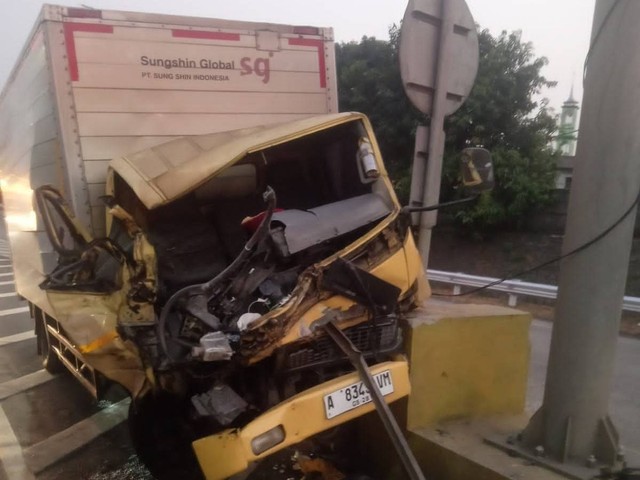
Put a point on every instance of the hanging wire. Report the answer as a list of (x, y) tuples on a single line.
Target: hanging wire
[(582, 247), (595, 239)]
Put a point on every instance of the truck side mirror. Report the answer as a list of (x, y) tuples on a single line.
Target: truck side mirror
[(477, 177), (477, 170)]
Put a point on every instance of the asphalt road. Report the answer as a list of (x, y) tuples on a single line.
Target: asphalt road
[(40, 413)]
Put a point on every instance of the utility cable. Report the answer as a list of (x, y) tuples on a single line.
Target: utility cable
[(582, 247), (594, 240)]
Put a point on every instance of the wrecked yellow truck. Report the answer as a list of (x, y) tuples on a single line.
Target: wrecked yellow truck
[(225, 257), (229, 281)]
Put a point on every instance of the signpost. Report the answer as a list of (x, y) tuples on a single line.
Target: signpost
[(438, 64)]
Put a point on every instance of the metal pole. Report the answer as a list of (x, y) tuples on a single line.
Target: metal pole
[(419, 170), (573, 423), (431, 192)]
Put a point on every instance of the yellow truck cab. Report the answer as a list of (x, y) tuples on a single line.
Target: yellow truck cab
[(225, 256)]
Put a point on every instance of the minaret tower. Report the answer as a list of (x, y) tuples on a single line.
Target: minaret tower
[(568, 131)]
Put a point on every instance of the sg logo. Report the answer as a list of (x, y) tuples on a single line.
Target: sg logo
[(260, 67)]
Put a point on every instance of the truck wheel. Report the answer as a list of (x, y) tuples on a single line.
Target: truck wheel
[(162, 438), (50, 361)]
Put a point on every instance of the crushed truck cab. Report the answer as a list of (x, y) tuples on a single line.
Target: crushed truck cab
[(225, 256)]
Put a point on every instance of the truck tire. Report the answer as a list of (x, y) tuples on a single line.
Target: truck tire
[(50, 361), (162, 439)]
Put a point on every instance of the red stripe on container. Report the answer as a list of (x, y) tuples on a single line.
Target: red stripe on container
[(319, 44), (70, 42)]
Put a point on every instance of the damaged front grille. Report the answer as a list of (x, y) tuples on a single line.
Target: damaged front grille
[(370, 338)]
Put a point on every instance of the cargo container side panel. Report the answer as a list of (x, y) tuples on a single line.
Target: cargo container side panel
[(99, 148), (30, 156), (100, 59), (91, 100), (152, 124), (135, 86)]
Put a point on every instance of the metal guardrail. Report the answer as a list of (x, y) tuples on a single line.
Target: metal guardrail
[(512, 288)]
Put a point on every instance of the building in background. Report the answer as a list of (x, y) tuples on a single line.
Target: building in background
[(567, 137), (566, 141)]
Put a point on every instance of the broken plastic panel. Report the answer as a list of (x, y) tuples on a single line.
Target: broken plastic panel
[(301, 229)]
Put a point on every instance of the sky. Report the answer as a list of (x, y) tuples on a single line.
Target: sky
[(558, 29)]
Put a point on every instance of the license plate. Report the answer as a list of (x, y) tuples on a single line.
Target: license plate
[(355, 395)]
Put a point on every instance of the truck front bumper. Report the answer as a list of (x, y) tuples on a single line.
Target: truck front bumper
[(288, 423)]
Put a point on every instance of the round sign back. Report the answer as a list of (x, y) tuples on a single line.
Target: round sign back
[(419, 41)]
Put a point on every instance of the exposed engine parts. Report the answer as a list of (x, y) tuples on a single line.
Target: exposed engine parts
[(203, 322), (195, 301), (214, 302)]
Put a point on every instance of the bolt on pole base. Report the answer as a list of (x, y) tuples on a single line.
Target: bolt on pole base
[(606, 448), (513, 446)]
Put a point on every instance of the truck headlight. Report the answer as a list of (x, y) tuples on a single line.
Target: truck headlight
[(267, 440)]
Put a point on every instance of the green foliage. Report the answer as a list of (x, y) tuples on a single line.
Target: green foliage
[(501, 110), (523, 185), (501, 114)]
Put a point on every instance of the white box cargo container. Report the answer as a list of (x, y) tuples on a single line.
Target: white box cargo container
[(92, 85)]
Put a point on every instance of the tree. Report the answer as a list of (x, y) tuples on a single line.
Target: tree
[(500, 114)]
